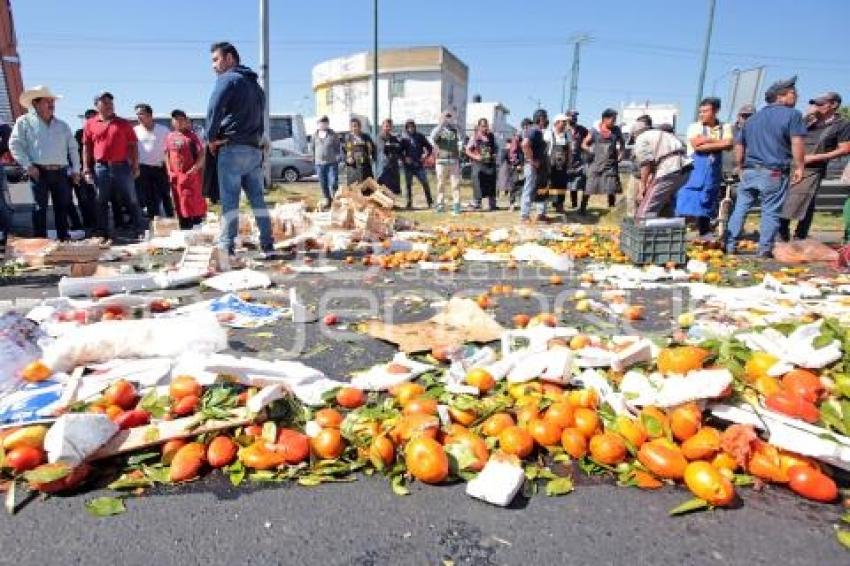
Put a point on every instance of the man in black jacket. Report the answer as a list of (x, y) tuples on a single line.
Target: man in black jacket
[(234, 130), (414, 148)]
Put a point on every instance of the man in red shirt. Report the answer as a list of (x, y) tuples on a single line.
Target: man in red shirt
[(111, 163)]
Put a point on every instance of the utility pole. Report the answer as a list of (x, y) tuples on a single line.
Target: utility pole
[(563, 93), (264, 81), (375, 69), (583, 38), (704, 64)]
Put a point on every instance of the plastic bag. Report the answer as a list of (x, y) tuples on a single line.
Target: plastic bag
[(146, 338), (803, 251), (18, 346)]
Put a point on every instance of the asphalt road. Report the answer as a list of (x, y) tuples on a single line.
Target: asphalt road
[(210, 522)]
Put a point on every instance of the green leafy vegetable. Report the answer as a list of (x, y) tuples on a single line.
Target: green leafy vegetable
[(105, 506), (559, 486), (689, 506)]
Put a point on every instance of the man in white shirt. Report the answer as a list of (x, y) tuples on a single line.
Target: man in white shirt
[(152, 185), (664, 168)]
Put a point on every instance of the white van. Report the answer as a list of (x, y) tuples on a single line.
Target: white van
[(286, 128)]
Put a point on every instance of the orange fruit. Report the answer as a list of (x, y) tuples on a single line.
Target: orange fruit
[(410, 426), (476, 446), (553, 391), (421, 406), (574, 442), (545, 433), (350, 397), (517, 441), (382, 450), (184, 386), (704, 444), (586, 420), (584, 398), (555, 280), (112, 411), (328, 444), (579, 341), (404, 392), (187, 462), (484, 301), (681, 359), (724, 461), (221, 451), (36, 371), (706, 482), (293, 445), (634, 312), (607, 448), (521, 320), (767, 385), (328, 418), (496, 423), (464, 418), (645, 480), (481, 379), (758, 365), (527, 412), (685, 421), (632, 430), (170, 448), (663, 460), (426, 460), (560, 413)]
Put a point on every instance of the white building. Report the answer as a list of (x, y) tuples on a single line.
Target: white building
[(660, 113), (415, 82)]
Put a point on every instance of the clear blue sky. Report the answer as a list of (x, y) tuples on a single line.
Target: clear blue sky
[(517, 52)]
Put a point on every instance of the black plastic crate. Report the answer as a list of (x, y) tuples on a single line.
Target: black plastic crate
[(657, 245)]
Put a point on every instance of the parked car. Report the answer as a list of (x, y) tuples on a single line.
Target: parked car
[(290, 166)]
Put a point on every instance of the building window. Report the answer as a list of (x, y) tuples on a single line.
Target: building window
[(396, 87)]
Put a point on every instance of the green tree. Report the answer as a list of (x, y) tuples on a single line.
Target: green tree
[(844, 112)]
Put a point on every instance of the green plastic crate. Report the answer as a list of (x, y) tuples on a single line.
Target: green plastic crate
[(656, 245)]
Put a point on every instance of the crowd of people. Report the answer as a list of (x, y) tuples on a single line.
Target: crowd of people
[(122, 175)]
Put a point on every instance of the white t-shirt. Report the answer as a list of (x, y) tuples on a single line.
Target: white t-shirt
[(151, 144)]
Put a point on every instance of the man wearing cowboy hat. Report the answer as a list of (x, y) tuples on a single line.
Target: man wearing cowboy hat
[(45, 146)]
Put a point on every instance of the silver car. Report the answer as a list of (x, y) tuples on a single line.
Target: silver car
[(289, 165)]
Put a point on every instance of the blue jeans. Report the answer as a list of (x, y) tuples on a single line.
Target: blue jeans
[(328, 178), (111, 181), (241, 166), (529, 189), (770, 186)]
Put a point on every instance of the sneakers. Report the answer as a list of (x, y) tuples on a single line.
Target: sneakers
[(456, 209)]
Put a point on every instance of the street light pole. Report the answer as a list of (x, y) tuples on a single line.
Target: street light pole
[(375, 68), (264, 81), (574, 73), (704, 65)]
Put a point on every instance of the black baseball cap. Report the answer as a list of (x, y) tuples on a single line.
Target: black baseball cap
[(104, 94), (826, 97)]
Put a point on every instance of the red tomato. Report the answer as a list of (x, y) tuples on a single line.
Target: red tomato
[(132, 419), (24, 458), (792, 405), (804, 384), (812, 484), (100, 291)]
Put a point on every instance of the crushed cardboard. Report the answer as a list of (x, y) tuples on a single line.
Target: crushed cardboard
[(461, 321)]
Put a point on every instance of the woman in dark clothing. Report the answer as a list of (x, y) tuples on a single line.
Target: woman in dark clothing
[(481, 149)]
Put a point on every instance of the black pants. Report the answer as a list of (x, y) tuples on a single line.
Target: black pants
[(51, 185), (419, 172), (612, 201), (187, 223), (484, 185), (154, 191), (87, 203)]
